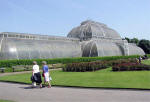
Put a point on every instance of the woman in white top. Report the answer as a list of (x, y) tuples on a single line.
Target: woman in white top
[(36, 76)]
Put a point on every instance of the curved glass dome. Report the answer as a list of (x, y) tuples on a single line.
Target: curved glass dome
[(91, 29), (94, 48)]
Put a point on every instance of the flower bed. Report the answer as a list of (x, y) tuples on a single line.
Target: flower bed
[(130, 66), (85, 66), (96, 65), (9, 63)]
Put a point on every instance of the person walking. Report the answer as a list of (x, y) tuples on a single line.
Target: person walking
[(36, 76), (140, 59), (46, 74)]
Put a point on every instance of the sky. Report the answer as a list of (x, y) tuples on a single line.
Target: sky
[(130, 18)]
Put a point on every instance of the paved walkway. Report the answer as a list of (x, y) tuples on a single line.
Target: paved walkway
[(23, 93)]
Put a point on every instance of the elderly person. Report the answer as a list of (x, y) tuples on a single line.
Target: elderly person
[(36, 76), (46, 74)]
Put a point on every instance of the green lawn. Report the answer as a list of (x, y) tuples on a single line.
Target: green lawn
[(146, 62), (5, 101), (102, 78)]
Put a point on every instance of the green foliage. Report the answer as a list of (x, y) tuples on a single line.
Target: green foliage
[(97, 65), (134, 40), (147, 62), (127, 39), (9, 63), (85, 66), (148, 55), (145, 45), (5, 101), (104, 78)]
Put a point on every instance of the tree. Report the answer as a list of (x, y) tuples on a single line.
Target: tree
[(145, 45), (127, 39), (134, 40)]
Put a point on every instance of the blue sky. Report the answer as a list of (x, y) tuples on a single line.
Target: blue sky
[(130, 18)]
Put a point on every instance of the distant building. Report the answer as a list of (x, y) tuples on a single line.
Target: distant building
[(88, 40)]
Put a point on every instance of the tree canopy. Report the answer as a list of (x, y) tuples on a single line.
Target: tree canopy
[(144, 44)]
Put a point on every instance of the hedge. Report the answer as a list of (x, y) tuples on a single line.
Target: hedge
[(9, 63)]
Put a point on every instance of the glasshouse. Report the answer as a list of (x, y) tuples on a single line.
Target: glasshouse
[(90, 39)]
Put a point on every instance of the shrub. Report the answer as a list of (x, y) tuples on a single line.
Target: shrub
[(9, 63)]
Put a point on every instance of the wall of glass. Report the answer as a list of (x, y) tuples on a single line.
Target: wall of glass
[(17, 48)]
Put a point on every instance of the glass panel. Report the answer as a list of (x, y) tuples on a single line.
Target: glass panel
[(11, 35), (1, 35), (5, 35), (15, 48)]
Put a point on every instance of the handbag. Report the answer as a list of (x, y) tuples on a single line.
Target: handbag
[(43, 75), (33, 78)]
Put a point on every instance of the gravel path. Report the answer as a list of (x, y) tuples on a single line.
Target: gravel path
[(23, 93)]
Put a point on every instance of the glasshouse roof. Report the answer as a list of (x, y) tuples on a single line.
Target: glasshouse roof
[(92, 29)]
